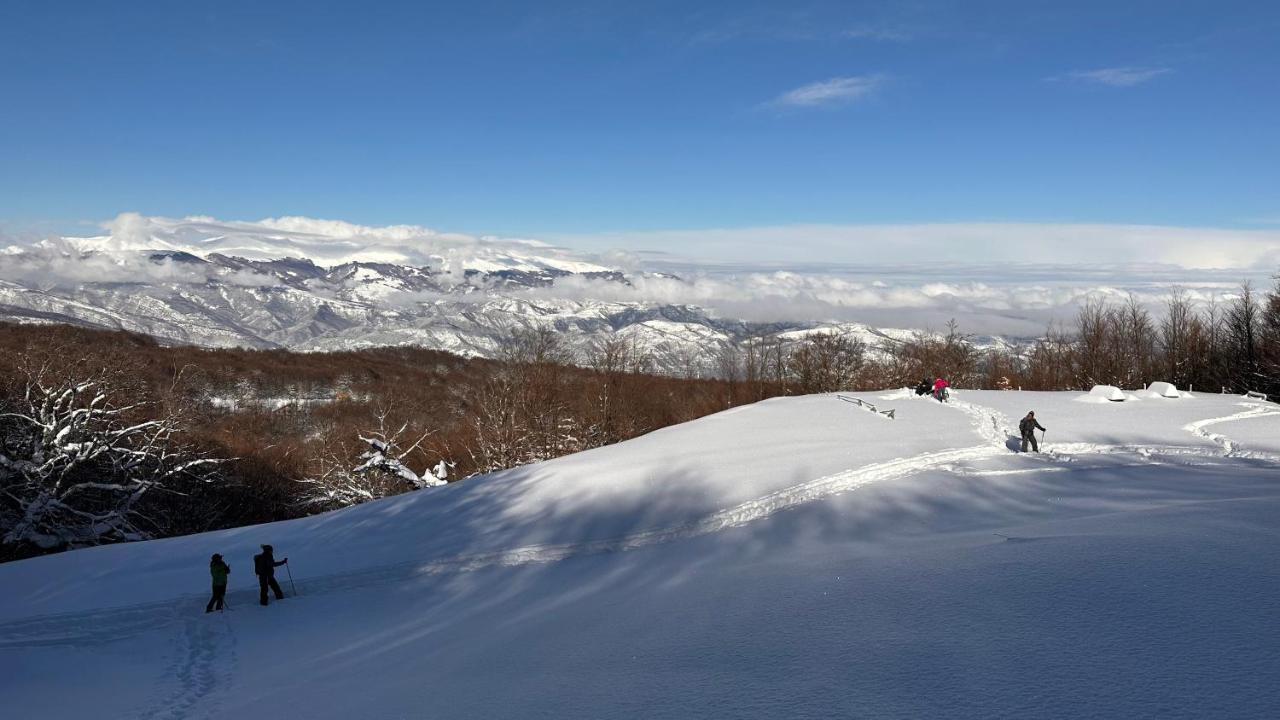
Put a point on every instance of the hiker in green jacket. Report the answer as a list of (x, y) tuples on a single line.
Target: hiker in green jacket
[(219, 570)]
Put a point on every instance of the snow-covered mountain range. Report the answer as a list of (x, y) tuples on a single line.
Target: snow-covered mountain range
[(306, 284)]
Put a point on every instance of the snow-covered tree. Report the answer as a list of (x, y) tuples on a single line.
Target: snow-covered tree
[(382, 469), (75, 466), (383, 457)]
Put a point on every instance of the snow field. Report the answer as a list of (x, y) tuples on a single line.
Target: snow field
[(796, 558)]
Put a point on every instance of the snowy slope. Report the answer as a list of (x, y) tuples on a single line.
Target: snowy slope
[(800, 557)]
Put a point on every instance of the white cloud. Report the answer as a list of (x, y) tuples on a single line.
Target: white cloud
[(57, 263), (957, 243), (1115, 76), (983, 304), (328, 243), (827, 92), (1009, 278)]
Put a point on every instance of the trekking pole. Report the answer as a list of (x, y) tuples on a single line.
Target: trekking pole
[(292, 587)]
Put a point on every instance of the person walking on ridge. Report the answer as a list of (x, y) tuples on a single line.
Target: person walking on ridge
[(264, 565), (940, 391), (1028, 428), (219, 571)]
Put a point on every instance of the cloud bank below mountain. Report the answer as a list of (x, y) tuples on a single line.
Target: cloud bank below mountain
[(960, 243), (995, 278)]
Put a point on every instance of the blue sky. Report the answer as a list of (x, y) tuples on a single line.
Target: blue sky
[(568, 119)]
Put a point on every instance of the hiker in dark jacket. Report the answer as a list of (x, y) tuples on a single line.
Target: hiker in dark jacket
[(1028, 428), (264, 565), (219, 571), (924, 387)]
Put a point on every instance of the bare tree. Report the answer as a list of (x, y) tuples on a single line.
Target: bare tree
[(1271, 339), (614, 359), (689, 360), (75, 466), (826, 362), (523, 412), (1138, 337), (764, 365), (1001, 368), (959, 359), (755, 365), (730, 366), (500, 439), (1179, 332), (1096, 344), (617, 355), (1243, 321), (1052, 361)]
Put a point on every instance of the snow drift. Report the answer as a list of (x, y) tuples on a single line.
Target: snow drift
[(1163, 389), (1104, 393), (795, 558)]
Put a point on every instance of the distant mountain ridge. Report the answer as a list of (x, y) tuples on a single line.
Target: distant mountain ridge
[(318, 285)]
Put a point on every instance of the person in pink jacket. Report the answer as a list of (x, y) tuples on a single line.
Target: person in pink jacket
[(940, 389)]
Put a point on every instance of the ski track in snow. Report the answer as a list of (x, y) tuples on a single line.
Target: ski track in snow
[(199, 647)]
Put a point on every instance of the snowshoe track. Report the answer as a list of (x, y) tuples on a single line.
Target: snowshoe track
[(996, 428), (204, 662), (1229, 447), (736, 516), (120, 623)]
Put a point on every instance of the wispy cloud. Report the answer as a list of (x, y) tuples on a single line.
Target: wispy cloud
[(1114, 76), (887, 33), (830, 92)]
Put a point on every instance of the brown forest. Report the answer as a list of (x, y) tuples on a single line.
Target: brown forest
[(110, 436)]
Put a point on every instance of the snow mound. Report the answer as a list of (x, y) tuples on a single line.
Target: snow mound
[(1163, 389), (1102, 394)]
